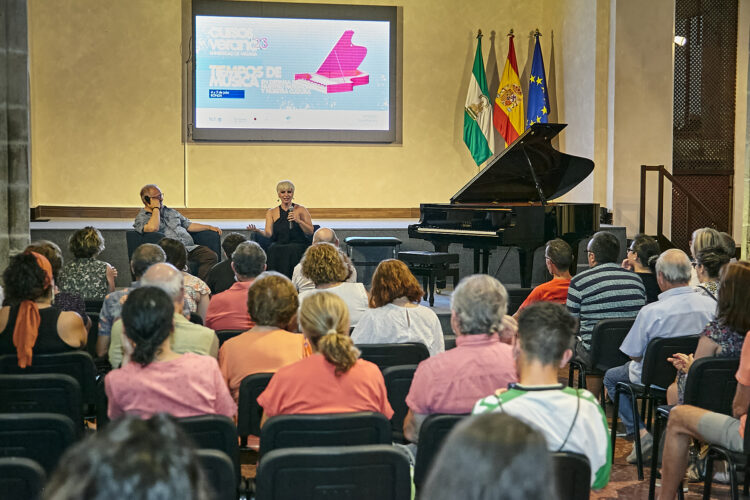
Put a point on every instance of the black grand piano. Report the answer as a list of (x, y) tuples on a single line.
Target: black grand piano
[(505, 204)]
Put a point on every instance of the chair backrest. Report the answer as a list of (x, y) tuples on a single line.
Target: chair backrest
[(77, 364), (329, 429), (573, 475), (134, 239), (606, 339), (21, 478), (385, 355), (370, 472), (214, 432), (397, 384), (225, 335), (102, 405), (516, 296), (711, 384), (220, 475), (249, 411), (432, 433), (657, 370), (210, 239), (93, 333), (42, 437), (93, 305), (44, 393)]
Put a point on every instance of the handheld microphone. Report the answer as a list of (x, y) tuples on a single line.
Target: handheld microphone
[(291, 210)]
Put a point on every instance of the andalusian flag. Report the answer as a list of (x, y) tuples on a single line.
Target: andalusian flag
[(478, 112), (509, 101), (538, 110)]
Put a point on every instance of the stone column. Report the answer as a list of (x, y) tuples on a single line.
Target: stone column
[(14, 129)]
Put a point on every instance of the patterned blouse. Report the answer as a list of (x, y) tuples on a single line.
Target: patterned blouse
[(194, 289), (85, 277), (709, 289)]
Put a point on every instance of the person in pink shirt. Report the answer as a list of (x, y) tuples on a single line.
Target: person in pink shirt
[(452, 381), (228, 310), (333, 379), (158, 380)]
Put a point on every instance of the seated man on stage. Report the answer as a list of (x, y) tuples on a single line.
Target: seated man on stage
[(155, 216), (557, 257)]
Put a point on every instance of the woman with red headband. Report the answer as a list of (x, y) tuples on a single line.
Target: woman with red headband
[(29, 324)]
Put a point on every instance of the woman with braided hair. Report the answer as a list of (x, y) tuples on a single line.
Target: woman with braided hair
[(157, 379), (333, 379), (29, 323)]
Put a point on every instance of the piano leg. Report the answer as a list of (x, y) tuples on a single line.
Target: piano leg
[(526, 265)]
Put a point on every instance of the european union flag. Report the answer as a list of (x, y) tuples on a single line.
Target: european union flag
[(537, 110)]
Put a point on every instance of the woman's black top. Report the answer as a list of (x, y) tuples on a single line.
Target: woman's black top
[(47, 342)]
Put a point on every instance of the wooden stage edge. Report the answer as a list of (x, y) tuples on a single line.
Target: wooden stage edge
[(43, 212)]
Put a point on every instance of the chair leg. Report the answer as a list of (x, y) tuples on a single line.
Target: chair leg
[(733, 479), (680, 493), (571, 374), (746, 482), (616, 401), (582, 377), (709, 477), (654, 458)]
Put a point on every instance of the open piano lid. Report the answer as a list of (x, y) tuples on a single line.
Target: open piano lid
[(508, 176)]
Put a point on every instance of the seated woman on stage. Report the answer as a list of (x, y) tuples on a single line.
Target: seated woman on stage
[(333, 379), (639, 260), (325, 266), (290, 227), (85, 275), (395, 316), (29, 323), (272, 304), (157, 379)]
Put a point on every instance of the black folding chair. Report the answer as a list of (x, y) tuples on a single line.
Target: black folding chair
[(606, 339), (42, 437), (332, 429), (21, 478), (656, 376), (572, 474), (516, 296), (43, 393), (93, 305), (225, 335), (397, 384), (385, 355), (249, 412), (710, 385), (77, 364), (220, 473), (432, 433), (735, 460), (102, 405), (368, 472), (214, 432), (93, 333)]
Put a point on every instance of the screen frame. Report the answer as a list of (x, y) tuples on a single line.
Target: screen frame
[(296, 11)]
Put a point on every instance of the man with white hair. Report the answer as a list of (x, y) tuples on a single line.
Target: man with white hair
[(322, 235), (186, 337), (452, 381), (680, 311)]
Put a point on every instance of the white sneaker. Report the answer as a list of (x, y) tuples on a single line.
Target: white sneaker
[(647, 443)]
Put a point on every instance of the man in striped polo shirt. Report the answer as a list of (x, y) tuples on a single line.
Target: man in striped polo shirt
[(604, 291)]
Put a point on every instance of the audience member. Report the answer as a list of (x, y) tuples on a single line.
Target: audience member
[(197, 293), (85, 275), (228, 310), (558, 256), (494, 457), (688, 422), (187, 336), (157, 379), (157, 217), (451, 382), (729, 246), (322, 235), (604, 291), (395, 315), (221, 276), (131, 458), (64, 301), (704, 237), (708, 264), (333, 379), (29, 323), (678, 312), (570, 419), (143, 257), (289, 227), (323, 264), (272, 303), (641, 258), (724, 335)]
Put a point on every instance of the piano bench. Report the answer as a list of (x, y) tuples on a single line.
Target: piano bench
[(432, 267)]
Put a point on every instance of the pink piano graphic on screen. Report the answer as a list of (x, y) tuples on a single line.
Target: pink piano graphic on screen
[(339, 72)]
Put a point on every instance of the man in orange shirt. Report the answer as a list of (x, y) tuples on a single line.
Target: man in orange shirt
[(558, 256)]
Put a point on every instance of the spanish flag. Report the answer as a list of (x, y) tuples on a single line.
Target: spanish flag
[(508, 109)]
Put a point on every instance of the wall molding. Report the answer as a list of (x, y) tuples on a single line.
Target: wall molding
[(42, 212)]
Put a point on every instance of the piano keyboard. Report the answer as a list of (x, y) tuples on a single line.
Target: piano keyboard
[(466, 232)]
